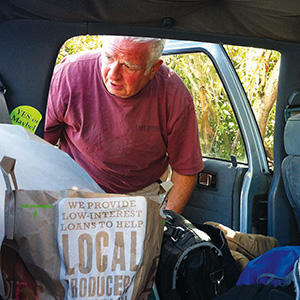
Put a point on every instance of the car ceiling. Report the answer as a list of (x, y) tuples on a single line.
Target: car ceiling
[(276, 20)]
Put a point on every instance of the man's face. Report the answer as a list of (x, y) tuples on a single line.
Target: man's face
[(124, 67)]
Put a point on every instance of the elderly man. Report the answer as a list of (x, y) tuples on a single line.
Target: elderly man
[(125, 117)]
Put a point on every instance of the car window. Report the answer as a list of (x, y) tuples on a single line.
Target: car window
[(218, 129), (219, 134), (258, 70)]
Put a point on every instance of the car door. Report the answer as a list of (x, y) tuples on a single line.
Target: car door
[(232, 189)]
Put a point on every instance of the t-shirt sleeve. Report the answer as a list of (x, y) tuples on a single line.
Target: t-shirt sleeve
[(56, 107), (183, 139)]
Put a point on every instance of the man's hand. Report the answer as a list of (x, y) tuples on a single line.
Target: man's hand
[(181, 191)]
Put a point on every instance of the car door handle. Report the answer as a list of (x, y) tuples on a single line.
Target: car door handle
[(206, 179)]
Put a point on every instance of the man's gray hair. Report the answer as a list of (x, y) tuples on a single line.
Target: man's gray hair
[(158, 45)]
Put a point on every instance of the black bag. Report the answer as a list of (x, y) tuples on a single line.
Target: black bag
[(195, 262)]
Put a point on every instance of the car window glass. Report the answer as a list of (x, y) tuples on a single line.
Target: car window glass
[(258, 70), (218, 129)]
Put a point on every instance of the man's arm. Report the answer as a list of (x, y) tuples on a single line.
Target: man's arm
[(181, 191), (54, 121), (53, 129)]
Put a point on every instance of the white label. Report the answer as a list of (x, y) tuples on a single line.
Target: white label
[(101, 246)]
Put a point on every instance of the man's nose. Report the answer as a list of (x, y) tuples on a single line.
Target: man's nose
[(115, 71)]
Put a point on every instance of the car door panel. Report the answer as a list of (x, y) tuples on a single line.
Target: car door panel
[(218, 201)]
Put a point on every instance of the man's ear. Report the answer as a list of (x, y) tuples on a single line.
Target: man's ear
[(155, 68)]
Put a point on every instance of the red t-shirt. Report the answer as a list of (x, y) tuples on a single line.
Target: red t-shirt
[(124, 144)]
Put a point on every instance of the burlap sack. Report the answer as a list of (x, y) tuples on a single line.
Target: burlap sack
[(85, 245)]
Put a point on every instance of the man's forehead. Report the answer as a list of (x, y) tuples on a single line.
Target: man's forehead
[(126, 48)]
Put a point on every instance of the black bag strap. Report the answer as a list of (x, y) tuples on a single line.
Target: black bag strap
[(4, 113)]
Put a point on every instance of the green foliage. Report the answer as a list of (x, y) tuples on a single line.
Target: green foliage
[(79, 43), (218, 128), (255, 68)]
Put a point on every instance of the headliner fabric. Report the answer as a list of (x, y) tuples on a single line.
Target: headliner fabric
[(273, 19)]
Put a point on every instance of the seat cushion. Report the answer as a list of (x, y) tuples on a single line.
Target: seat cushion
[(291, 179), (292, 135)]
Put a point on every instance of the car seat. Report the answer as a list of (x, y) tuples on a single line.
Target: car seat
[(291, 164)]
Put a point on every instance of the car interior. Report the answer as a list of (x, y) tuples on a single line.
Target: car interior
[(245, 195)]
